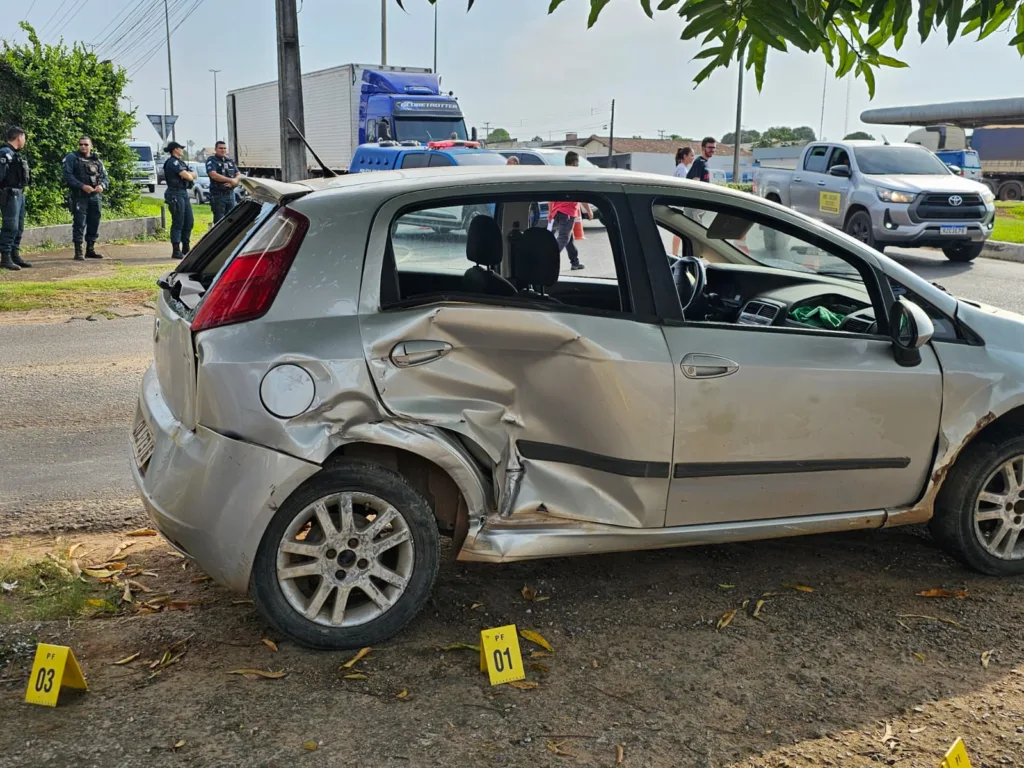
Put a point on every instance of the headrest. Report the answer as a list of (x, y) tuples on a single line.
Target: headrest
[(536, 258), (483, 242)]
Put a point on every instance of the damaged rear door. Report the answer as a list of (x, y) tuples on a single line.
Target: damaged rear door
[(573, 410)]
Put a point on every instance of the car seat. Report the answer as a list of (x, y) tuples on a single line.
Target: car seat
[(535, 261), (484, 249)]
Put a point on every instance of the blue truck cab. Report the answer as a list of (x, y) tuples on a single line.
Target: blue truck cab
[(396, 156), (412, 106), (966, 160)]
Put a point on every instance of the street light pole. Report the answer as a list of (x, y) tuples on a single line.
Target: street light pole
[(383, 32), (739, 129), (170, 78), (163, 117), (216, 124), (435, 36)]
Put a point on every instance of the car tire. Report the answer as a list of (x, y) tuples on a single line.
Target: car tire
[(1011, 191), (977, 472), (963, 251), (365, 622), (152, 188), (858, 226)]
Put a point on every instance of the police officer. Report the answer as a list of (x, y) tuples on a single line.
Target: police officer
[(179, 181), (87, 179), (14, 177), (223, 175)]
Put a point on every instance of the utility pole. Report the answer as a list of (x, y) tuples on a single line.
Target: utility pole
[(661, 134), (383, 32), (163, 117), (289, 90), (824, 89), (846, 119), (170, 78), (435, 35), (487, 129), (216, 124), (611, 135), (739, 129)]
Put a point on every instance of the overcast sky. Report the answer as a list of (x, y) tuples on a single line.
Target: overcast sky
[(509, 62)]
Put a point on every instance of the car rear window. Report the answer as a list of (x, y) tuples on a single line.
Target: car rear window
[(212, 252)]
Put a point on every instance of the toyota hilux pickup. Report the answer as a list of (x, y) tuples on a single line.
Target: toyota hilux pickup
[(885, 195)]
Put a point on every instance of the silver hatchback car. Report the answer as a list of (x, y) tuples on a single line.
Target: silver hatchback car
[(335, 388)]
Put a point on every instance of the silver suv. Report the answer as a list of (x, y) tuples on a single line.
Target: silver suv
[(335, 389)]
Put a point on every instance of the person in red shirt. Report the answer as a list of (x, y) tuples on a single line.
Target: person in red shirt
[(563, 216)]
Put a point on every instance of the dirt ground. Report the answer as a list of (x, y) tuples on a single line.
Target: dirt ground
[(861, 671)]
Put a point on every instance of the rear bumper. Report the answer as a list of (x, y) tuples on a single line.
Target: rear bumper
[(211, 496)]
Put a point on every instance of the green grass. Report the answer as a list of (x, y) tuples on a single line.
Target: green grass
[(127, 285), (1009, 223), (46, 591)]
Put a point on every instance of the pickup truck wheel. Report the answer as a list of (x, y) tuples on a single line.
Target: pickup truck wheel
[(348, 560), (858, 226), (979, 512), (963, 251)]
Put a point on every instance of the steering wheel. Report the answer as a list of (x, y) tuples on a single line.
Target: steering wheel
[(691, 278)]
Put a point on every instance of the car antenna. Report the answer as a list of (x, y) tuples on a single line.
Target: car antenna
[(884, 141), (327, 171)]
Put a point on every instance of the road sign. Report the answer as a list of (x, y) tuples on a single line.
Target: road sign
[(163, 124), (54, 666), (500, 656)]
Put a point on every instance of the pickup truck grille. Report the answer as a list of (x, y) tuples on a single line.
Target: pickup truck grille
[(936, 207)]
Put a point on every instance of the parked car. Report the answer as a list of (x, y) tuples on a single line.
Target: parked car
[(201, 187), (886, 195), (323, 405)]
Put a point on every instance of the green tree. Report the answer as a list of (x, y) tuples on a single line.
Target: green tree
[(537, 138), (859, 136), (850, 34), (499, 134), (782, 134), (58, 94), (748, 136), (804, 133)]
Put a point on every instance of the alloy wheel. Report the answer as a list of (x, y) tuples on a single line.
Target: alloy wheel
[(999, 511)]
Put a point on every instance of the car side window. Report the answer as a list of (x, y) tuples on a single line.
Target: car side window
[(815, 160), (527, 159), (415, 160), (839, 157), (440, 161)]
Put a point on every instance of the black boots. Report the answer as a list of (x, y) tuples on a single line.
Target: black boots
[(176, 251), (78, 252), (6, 262), (90, 251), (186, 246), (18, 261)]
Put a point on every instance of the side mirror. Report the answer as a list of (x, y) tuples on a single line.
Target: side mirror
[(911, 330), (840, 170), (956, 170)]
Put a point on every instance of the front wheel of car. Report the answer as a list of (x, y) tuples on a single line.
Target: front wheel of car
[(858, 226), (348, 560), (152, 188), (979, 512), (963, 251)]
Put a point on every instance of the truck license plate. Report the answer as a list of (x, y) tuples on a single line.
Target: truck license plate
[(953, 229), (142, 443)]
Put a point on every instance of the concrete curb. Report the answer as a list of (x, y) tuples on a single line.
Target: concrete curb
[(117, 229), (996, 249)]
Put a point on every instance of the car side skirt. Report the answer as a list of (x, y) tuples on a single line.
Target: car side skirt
[(536, 535)]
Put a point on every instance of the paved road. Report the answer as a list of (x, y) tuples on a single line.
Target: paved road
[(67, 391)]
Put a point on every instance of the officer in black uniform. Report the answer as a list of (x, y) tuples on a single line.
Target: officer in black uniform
[(179, 181), (87, 179), (14, 177), (223, 175)]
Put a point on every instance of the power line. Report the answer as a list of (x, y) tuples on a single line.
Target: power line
[(143, 30), (56, 13), (101, 40), (71, 16), (129, 24), (147, 41), (29, 11), (138, 64)]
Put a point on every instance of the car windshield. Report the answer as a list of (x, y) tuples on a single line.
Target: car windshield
[(143, 154), (426, 129), (200, 170), (480, 158), (904, 161), (971, 160), (558, 158)]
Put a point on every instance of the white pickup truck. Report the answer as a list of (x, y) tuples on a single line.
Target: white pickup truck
[(885, 195)]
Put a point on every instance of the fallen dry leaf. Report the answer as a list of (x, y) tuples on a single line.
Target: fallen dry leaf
[(259, 673), (536, 665), (72, 549), (101, 604), (142, 532), (529, 592), (126, 596), (352, 662), (727, 586), (594, 664), (242, 601), (918, 730), (726, 619), (175, 553), (620, 754), (121, 548), (270, 644), (799, 587), (757, 609), (127, 659), (959, 594), (460, 647), (887, 736), (139, 587), (356, 676), (181, 605), (404, 694), (986, 657), (772, 594), (309, 746), (201, 579), (99, 573), (179, 744), (474, 606), (535, 637), (76, 569), (523, 685), (557, 749), (539, 655), (919, 656)]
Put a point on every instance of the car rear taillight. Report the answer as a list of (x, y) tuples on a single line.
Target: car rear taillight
[(251, 280)]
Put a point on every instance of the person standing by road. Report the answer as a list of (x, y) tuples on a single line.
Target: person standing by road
[(684, 159), (699, 170), (14, 177), (86, 179), (224, 180), (179, 181), (563, 217)]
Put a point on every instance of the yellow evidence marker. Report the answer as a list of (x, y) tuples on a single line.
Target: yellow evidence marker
[(54, 666), (500, 656), (957, 756)]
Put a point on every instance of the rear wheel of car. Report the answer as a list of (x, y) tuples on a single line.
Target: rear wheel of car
[(979, 512), (858, 226), (348, 560), (963, 251)]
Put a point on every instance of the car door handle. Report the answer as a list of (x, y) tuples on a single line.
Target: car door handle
[(409, 353), (797, 178), (821, 183), (697, 365)]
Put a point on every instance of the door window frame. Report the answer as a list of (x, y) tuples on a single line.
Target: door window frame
[(810, 153)]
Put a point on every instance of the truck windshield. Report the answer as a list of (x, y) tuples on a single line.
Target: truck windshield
[(143, 154), (905, 161), (426, 129)]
